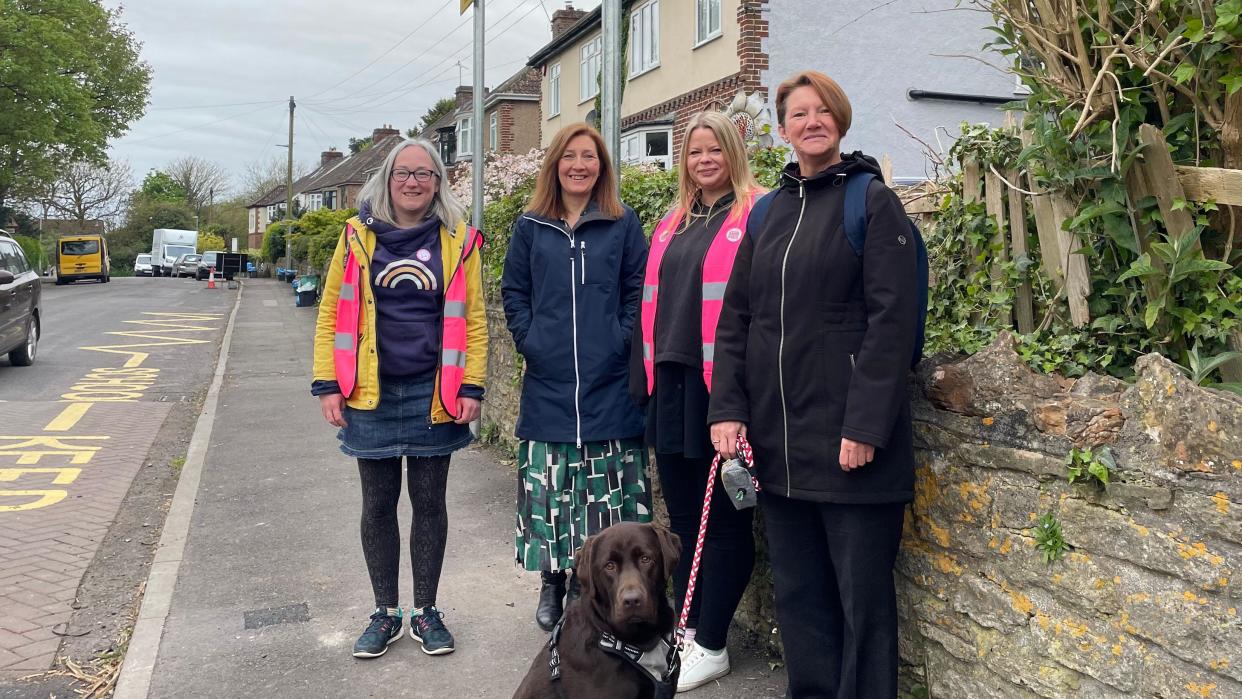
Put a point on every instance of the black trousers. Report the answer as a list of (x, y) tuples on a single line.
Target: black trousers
[(836, 605), (381, 541), (728, 551)]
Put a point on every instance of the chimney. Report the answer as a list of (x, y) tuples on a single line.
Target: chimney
[(330, 156), (383, 132), (464, 96), (563, 19)]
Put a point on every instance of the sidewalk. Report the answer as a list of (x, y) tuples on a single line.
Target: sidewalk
[(272, 589)]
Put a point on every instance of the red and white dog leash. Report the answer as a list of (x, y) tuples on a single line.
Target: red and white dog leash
[(743, 450)]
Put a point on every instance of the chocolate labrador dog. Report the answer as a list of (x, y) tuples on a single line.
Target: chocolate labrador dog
[(613, 641)]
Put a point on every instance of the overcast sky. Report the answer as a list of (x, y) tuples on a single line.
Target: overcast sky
[(223, 71)]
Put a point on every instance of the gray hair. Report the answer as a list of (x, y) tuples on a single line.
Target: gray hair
[(445, 205)]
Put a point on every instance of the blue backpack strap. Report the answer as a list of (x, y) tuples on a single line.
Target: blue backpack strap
[(759, 212), (856, 210)]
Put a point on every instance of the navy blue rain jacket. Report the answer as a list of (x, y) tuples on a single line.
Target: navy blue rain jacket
[(571, 299)]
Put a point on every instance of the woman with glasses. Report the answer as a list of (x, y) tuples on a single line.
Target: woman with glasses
[(571, 287), (400, 360)]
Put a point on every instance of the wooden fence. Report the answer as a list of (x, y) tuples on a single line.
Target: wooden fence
[(1012, 198)]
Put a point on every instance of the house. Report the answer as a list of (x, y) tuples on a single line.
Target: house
[(684, 56), (511, 116), (927, 82), (334, 184)]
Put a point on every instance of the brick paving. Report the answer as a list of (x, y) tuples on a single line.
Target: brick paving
[(44, 552)]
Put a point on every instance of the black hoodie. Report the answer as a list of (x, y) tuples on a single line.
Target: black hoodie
[(814, 341)]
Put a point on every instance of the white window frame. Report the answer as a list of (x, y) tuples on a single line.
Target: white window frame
[(493, 132), (589, 65), (464, 127), (645, 38), (634, 147), (707, 6), (554, 90), (315, 202)]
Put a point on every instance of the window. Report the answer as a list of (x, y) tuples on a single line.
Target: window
[(329, 199), (11, 258), (79, 247), (493, 139), (463, 136), (554, 90), (448, 146), (652, 146), (314, 202), (645, 38), (588, 76), (707, 27)]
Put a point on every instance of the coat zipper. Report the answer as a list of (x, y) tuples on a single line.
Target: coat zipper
[(582, 260), (573, 300), (780, 356)]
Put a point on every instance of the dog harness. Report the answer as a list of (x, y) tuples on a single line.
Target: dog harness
[(717, 266), (659, 665)]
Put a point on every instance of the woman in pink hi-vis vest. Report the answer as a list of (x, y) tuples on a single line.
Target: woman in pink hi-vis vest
[(688, 267)]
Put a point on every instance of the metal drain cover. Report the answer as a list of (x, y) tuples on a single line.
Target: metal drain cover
[(288, 614)]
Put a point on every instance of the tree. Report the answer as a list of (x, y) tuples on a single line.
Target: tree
[(160, 186), (70, 80), (84, 191), (438, 110), (357, 145), (210, 241), (199, 178)]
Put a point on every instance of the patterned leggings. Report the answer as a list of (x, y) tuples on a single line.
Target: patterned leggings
[(381, 540)]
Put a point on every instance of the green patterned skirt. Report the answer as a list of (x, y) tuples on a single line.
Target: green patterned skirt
[(566, 494)]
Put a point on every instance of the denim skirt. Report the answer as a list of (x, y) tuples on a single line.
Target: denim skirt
[(401, 424)]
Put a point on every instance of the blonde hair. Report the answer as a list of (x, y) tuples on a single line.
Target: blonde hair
[(546, 200), (444, 205), (740, 177), (830, 93)]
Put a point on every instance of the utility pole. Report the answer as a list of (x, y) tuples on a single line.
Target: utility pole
[(476, 135), (289, 189), (610, 78)]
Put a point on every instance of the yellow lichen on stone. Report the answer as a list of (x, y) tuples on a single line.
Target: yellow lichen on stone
[(987, 421), (946, 564), (1020, 602), (1203, 690), (1222, 502), (1142, 531), (1007, 546), (1237, 464), (1170, 390), (1197, 549), (1138, 597), (975, 495), (939, 533), (1211, 425), (1218, 665)]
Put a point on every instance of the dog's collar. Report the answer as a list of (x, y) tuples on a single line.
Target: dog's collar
[(660, 664)]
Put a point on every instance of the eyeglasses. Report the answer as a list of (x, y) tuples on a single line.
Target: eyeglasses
[(418, 175)]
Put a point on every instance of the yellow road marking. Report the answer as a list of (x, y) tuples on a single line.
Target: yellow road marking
[(64, 476), (45, 499), (136, 359), (67, 418)]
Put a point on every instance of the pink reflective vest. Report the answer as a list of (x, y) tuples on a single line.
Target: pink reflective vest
[(453, 335), (717, 266)]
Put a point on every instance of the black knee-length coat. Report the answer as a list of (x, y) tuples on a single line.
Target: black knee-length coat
[(814, 342)]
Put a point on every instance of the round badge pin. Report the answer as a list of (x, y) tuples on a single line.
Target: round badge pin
[(423, 255), (901, 240), (734, 235)]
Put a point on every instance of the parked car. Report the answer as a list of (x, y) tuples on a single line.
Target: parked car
[(186, 265), (142, 265), (20, 292), (210, 259)]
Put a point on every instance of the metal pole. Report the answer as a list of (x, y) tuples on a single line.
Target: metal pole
[(476, 135), (610, 78), (289, 189)]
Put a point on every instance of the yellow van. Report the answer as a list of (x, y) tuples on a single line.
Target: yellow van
[(82, 257)]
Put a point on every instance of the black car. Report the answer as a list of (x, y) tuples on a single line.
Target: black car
[(20, 291), (210, 259)]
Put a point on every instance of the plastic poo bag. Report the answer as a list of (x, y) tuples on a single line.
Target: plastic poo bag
[(735, 478)]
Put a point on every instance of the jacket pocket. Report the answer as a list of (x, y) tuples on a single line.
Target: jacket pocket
[(839, 350)]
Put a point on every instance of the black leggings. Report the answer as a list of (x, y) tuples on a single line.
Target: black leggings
[(728, 552), (381, 541)]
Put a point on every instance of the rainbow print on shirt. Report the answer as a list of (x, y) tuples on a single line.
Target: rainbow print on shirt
[(412, 271)]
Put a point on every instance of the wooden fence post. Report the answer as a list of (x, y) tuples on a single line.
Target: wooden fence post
[(1077, 277), (1023, 305), (1162, 179), (994, 193)]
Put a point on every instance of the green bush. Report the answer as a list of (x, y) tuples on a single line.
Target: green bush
[(39, 260), (320, 231)]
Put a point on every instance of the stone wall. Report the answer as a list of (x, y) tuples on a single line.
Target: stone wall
[(1143, 603)]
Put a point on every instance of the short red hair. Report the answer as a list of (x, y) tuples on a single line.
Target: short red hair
[(830, 93)]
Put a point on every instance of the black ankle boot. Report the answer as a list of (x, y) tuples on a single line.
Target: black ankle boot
[(574, 590), (551, 600)]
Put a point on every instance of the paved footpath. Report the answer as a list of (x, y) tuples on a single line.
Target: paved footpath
[(272, 589)]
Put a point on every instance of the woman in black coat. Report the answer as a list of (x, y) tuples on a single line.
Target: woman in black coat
[(812, 358)]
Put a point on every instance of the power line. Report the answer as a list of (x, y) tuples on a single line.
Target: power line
[(419, 27), (196, 126), (215, 106)]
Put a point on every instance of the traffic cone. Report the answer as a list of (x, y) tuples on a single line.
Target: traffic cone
[(211, 277)]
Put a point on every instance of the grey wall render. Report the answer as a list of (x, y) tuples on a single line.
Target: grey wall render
[(878, 51)]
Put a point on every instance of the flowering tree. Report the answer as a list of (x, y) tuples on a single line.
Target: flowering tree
[(503, 174)]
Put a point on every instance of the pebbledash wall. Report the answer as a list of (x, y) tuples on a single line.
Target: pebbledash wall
[(1143, 604)]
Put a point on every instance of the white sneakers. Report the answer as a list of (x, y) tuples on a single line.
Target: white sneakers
[(699, 666)]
